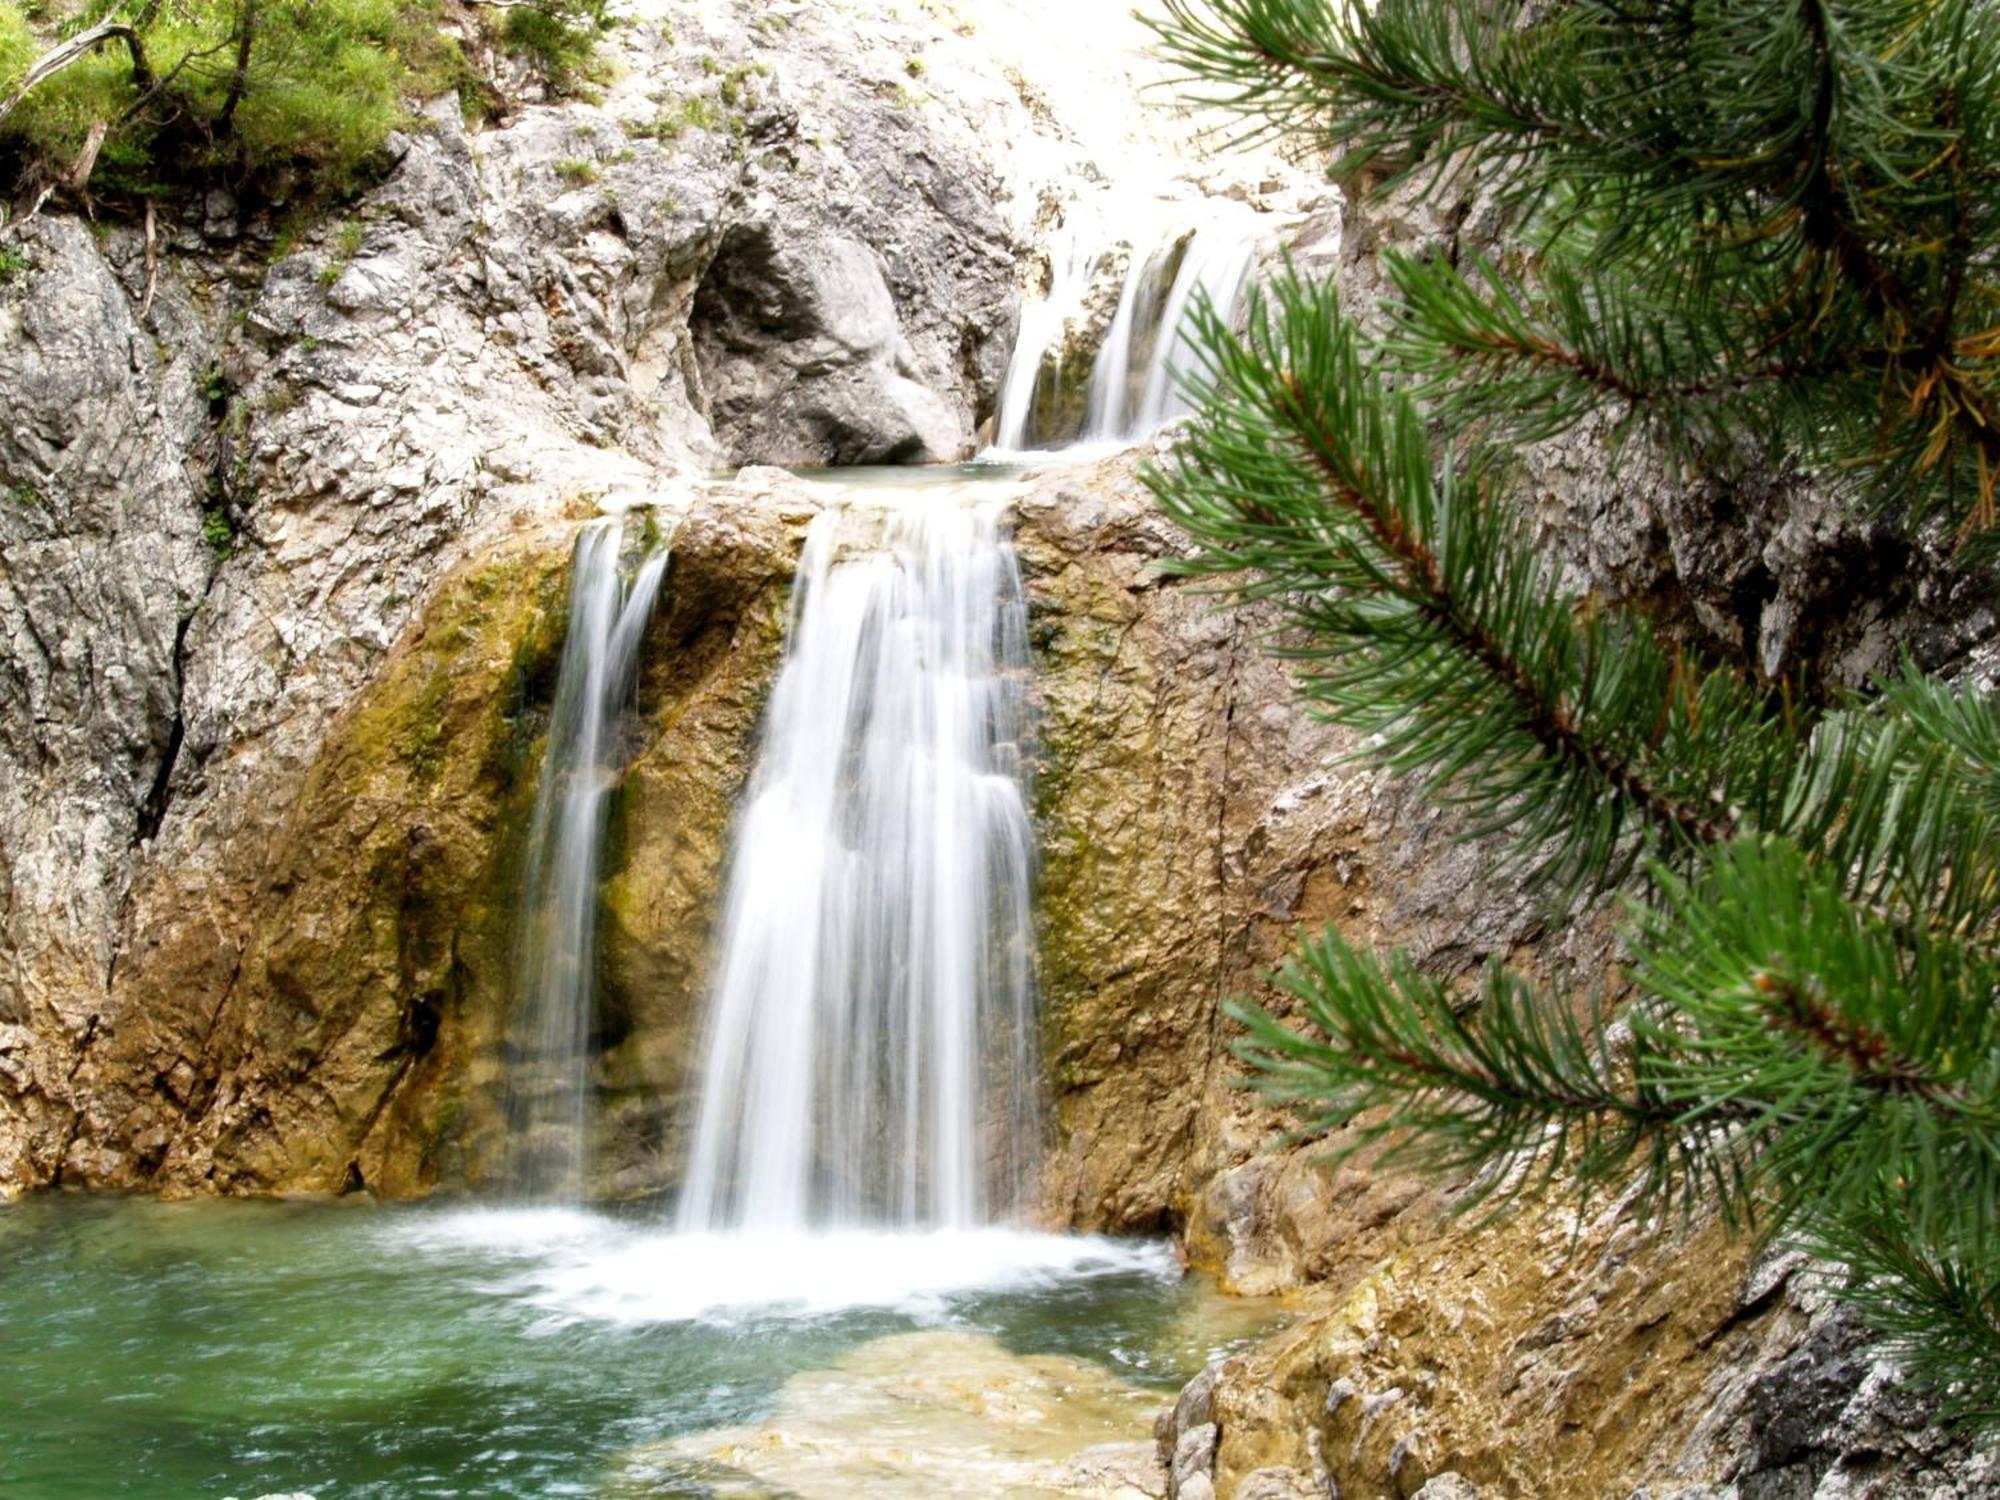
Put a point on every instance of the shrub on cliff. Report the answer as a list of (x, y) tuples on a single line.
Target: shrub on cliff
[(559, 37), (151, 96), (1769, 228)]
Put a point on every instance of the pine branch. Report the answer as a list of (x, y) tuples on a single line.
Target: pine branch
[(1512, 1089), (1777, 220), (1834, 225), (1547, 717), (1861, 1049), (1430, 624), (1962, 726), (1802, 1009), (1931, 1289), (1899, 798)]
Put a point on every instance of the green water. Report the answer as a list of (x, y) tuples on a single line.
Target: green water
[(351, 1350)]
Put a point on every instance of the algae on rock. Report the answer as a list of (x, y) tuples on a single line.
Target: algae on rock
[(328, 1021)]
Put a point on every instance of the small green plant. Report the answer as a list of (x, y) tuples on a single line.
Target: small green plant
[(559, 38), (691, 112), (576, 172), (285, 241), (916, 67), (26, 496), (738, 88), (346, 246), (218, 530), (212, 385), (14, 264)]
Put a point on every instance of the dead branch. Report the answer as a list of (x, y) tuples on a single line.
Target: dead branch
[(74, 50)]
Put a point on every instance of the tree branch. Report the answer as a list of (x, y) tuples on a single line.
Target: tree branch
[(246, 35), (75, 50), (1552, 722)]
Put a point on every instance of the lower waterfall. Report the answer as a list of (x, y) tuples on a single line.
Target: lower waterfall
[(870, 1057), (556, 941)]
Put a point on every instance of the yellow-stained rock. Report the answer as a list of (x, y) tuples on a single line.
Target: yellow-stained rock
[(930, 1416)]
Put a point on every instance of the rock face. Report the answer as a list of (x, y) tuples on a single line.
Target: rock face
[(102, 566), (801, 358)]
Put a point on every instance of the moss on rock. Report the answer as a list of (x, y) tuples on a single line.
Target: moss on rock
[(353, 1040)]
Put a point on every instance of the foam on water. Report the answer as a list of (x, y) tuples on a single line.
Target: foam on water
[(584, 1267)]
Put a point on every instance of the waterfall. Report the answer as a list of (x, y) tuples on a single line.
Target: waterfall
[(1133, 385), (1215, 265), (556, 936), (870, 1053), (1072, 267)]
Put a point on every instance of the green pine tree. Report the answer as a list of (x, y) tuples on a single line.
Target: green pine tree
[(1756, 232)]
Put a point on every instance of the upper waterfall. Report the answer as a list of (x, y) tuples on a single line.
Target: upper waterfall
[(556, 940), (870, 1056), (1138, 345)]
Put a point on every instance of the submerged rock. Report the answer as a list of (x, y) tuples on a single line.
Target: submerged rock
[(927, 1416)]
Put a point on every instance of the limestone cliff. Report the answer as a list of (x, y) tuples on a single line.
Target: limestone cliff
[(240, 463)]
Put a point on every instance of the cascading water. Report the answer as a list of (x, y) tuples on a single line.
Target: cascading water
[(1073, 266), (870, 1051), (1146, 347), (548, 1084), (1214, 265)]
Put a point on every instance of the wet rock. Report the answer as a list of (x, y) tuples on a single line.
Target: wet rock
[(925, 1415), (1195, 1407), (1194, 1456), (1125, 1470)]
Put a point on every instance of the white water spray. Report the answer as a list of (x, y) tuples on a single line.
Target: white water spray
[(556, 941), (870, 1055)]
